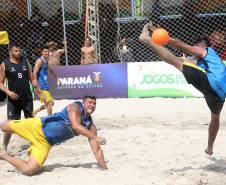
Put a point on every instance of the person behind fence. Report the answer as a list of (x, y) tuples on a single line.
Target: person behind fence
[(75, 38), (217, 39), (36, 20), (40, 73), (125, 53), (189, 18), (223, 53), (156, 12), (35, 25), (54, 53), (45, 132), (55, 26), (189, 12), (108, 35), (18, 73), (207, 74), (88, 53)]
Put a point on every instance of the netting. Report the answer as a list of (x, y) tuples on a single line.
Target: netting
[(118, 24)]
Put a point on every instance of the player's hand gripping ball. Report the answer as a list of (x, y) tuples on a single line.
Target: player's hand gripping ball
[(160, 37)]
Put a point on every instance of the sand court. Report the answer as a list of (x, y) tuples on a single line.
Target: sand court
[(149, 141)]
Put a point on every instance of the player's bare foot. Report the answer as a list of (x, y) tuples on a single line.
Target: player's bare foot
[(3, 155), (209, 151), (145, 34)]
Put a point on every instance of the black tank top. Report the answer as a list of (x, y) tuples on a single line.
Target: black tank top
[(17, 79)]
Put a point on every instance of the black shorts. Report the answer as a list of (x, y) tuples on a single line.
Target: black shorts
[(14, 108), (198, 78)]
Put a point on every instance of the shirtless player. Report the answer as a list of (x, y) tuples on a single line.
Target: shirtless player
[(88, 53), (54, 54)]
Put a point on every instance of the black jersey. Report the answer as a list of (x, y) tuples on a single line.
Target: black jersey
[(17, 78)]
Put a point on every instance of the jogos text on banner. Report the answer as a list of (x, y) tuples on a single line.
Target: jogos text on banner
[(158, 79)]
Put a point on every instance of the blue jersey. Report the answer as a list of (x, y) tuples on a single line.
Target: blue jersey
[(57, 128), (42, 76), (216, 71)]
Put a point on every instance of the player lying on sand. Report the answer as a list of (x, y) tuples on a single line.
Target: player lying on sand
[(44, 132), (207, 75)]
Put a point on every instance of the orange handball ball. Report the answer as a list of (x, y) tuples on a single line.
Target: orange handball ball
[(160, 37)]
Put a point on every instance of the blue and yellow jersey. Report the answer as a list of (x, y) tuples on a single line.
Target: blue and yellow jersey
[(216, 71), (57, 128), (42, 76)]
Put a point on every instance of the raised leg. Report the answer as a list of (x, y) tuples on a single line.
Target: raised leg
[(163, 53)]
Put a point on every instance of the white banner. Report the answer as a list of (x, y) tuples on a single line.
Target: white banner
[(147, 79)]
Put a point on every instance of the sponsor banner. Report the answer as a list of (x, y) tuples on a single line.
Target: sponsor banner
[(151, 79), (101, 80)]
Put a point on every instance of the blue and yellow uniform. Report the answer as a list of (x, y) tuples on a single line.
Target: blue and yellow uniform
[(47, 131), (208, 76), (42, 77)]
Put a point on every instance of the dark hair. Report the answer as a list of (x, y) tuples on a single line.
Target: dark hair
[(126, 40), (14, 45), (87, 38), (204, 40), (44, 47), (89, 96)]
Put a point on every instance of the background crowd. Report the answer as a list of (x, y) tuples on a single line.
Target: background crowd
[(31, 34)]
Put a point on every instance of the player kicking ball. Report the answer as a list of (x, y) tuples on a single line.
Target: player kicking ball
[(207, 74)]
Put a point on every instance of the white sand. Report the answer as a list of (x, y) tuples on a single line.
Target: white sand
[(149, 141)]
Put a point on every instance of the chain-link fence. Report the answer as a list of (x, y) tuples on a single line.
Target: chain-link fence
[(33, 23)]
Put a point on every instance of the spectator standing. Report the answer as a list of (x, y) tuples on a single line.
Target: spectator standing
[(189, 12), (156, 12), (126, 53), (76, 34), (223, 53), (217, 40), (189, 21), (56, 26), (54, 54), (88, 53), (108, 36)]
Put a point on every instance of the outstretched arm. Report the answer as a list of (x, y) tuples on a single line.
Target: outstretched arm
[(61, 51), (35, 83), (96, 149), (38, 65), (54, 75), (74, 114), (163, 53), (195, 51)]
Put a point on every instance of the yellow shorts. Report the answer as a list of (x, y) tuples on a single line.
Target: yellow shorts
[(31, 130), (47, 95)]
